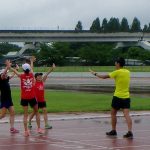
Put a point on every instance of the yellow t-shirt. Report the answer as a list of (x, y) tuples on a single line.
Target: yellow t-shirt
[(122, 81)]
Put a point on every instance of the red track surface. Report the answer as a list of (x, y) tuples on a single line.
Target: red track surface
[(82, 134)]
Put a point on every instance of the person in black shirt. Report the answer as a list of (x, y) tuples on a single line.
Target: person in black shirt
[(6, 99)]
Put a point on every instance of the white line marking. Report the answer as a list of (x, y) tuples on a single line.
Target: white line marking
[(78, 142), (129, 147), (20, 144)]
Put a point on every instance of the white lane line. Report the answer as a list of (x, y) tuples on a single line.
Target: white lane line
[(3, 145), (80, 117), (128, 147), (78, 142)]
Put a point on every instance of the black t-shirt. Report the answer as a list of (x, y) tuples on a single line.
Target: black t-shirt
[(5, 89)]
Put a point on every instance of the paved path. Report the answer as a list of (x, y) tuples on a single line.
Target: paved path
[(137, 79), (140, 83)]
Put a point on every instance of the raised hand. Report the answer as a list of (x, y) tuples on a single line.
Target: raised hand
[(92, 71), (53, 66), (17, 67), (32, 58), (8, 63)]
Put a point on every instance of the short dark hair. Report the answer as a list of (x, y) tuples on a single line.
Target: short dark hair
[(26, 71), (38, 74), (121, 61)]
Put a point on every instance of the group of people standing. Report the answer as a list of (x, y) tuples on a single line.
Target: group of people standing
[(32, 93)]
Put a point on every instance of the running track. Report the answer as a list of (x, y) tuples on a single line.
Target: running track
[(79, 134)]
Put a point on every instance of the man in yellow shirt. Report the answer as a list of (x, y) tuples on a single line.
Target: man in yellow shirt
[(121, 98)]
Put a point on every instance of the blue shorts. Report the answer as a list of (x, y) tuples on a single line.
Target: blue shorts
[(6, 104)]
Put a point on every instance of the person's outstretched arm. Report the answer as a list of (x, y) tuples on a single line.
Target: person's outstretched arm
[(98, 75), (8, 64), (4, 73), (32, 60), (13, 74), (49, 71)]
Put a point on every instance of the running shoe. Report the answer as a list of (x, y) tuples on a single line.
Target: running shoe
[(13, 130), (129, 135), (112, 133), (48, 126), (29, 125), (26, 133), (40, 131)]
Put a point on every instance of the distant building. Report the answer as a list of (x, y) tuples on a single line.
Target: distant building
[(134, 62), (18, 57)]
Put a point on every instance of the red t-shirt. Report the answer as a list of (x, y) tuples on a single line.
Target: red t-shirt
[(27, 86), (39, 91)]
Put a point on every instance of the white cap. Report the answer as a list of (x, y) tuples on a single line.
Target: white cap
[(3, 70), (26, 66)]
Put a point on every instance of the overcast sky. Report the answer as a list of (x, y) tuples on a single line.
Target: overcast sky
[(40, 14)]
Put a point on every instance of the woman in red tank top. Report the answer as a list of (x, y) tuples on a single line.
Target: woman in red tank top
[(28, 94)]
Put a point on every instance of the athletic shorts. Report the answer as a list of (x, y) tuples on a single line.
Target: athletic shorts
[(6, 104), (26, 102), (41, 104), (118, 103)]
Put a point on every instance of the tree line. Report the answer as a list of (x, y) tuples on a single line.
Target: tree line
[(81, 54), (96, 53), (114, 25), (89, 53)]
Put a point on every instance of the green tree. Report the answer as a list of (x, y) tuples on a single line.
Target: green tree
[(113, 25), (148, 29), (48, 55), (95, 27), (134, 52), (145, 29), (96, 53), (124, 26), (7, 47), (136, 25), (79, 26), (104, 27)]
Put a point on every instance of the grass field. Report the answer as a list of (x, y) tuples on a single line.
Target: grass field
[(67, 101), (96, 68)]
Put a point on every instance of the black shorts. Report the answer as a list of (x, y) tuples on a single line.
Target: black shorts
[(41, 104), (6, 104), (118, 103), (26, 102)]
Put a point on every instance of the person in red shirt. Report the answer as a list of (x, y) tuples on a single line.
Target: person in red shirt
[(39, 94), (28, 95)]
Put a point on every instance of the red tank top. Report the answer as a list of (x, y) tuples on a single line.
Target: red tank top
[(27, 86), (39, 91)]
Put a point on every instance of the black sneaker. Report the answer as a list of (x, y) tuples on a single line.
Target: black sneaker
[(112, 133), (129, 135)]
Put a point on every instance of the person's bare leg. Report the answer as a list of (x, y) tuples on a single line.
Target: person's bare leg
[(31, 116), (39, 130), (25, 117), (12, 119), (45, 115), (12, 116), (128, 119), (113, 118), (3, 112), (35, 109)]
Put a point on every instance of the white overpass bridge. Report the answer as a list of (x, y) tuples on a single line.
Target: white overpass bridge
[(37, 36), (69, 36)]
